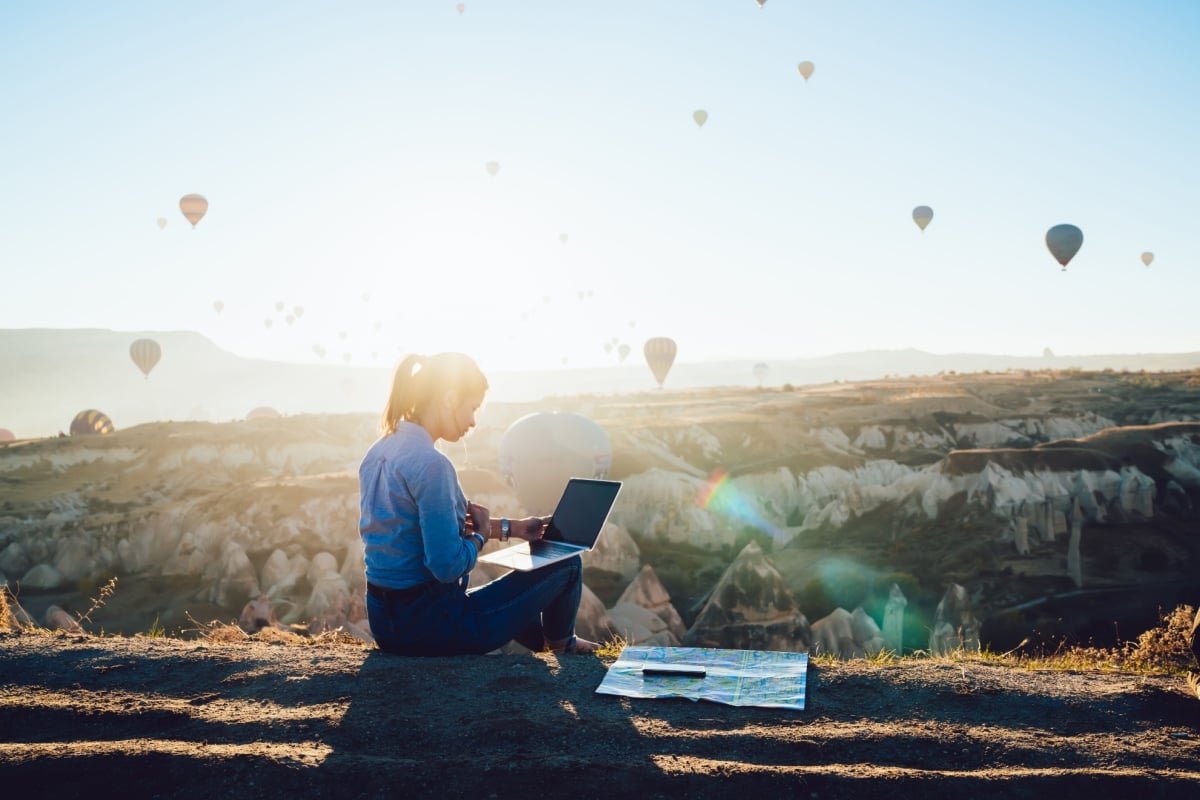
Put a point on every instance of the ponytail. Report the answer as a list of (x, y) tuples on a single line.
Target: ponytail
[(420, 379)]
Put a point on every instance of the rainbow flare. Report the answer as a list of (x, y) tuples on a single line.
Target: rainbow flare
[(720, 496)]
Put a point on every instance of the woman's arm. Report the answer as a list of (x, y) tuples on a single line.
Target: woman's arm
[(447, 554)]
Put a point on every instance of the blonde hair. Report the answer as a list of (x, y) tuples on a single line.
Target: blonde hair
[(420, 379)]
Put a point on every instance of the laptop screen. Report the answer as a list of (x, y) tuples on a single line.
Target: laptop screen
[(582, 511)]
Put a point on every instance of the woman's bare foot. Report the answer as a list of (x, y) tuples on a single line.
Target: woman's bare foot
[(576, 644)]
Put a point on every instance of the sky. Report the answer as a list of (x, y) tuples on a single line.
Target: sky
[(342, 149)]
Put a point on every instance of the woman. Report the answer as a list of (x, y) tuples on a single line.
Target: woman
[(422, 537)]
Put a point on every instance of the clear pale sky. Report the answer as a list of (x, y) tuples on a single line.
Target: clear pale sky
[(342, 148)]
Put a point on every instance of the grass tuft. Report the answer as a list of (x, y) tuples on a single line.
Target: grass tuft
[(8, 622), (611, 650)]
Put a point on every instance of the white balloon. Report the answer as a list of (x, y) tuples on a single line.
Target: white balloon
[(540, 451)]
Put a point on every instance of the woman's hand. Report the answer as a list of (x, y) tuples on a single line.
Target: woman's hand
[(479, 519), (530, 528)]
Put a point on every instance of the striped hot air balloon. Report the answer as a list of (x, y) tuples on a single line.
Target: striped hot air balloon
[(7, 436), (89, 422), (660, 355), (263, 412), (145, 353)]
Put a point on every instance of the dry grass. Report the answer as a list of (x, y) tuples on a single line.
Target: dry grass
[(231, 633), (8, 622)]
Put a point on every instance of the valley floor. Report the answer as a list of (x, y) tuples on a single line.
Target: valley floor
[(138, 717)]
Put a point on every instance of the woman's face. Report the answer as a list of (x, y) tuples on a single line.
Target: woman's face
[(460, 415)]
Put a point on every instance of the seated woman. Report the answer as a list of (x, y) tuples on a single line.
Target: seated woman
[(422, 537)]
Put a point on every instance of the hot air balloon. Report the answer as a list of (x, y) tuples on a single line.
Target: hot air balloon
[(263, 412), (193, 207), (376, 326), (319, 350), (90, 422), (1147, 257), (298, 311), (347, 357), (366, 297), (460, 8), (660, 355), (701, 117), (492, 167), (162, 223), (342, 335), (540, 451), (289, 319), (761, 3), (562, 237), (145, 353), (218, 306), (7, 436), (1064, 242), (623, 351), (760, 372), (922, 216), (608, 347), (279, 305), (268, 322), (806, 69)]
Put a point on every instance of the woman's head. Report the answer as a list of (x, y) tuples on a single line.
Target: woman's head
[(441, 392)]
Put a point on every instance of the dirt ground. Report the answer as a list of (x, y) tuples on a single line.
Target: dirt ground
[(131, 717)]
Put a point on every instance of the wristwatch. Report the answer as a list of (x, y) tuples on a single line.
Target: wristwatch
[(504, 529)]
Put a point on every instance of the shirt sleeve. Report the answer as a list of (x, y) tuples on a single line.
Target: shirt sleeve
[(447, 554)]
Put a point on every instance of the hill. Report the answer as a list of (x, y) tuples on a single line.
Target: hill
[(50, 375), (193, 719)]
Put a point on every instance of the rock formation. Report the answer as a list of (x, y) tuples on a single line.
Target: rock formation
[(954, 625), (615, 552), (592, 621), (647, 591), (893, 620), (751, 608), (639, 625)]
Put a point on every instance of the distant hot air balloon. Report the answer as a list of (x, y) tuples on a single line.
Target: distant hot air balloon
[(562, 237), (194, 207), (145, 353), (342, 335), (289, 319), (540, 451), (760, 372), (460, 8), (608, 347), (263, 412), (806, 69), (660, 355), (162, 223), (492, 167), (218, 306), (366, 297), (922, 216), (761, 3), (91, 421), (1147, 257), (319, 350), (279, 305), (701, 117), (268, 322), (623, 351), (7, 436), (376, 326), (633, 323), (347, 357), (1064, 242), (298, 311)]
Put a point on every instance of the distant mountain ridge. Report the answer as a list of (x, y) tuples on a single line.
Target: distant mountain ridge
[(51, 374)]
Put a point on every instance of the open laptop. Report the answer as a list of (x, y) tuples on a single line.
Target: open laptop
[(574, 528)]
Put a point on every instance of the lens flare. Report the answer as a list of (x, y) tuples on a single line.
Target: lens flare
[(720, 496)]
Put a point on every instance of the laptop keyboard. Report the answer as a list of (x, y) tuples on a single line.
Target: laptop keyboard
[(544, 548)]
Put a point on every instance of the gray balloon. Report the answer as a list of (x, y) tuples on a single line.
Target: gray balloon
[(1064, 242)]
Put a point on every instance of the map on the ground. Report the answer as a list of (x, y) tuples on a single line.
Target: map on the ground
[(734, 677)]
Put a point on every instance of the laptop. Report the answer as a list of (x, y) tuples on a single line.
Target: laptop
[(574, 527)]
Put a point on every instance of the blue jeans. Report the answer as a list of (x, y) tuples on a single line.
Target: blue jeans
[(446, 620)]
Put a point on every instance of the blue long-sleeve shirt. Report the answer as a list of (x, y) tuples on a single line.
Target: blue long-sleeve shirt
[(412, 512)]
